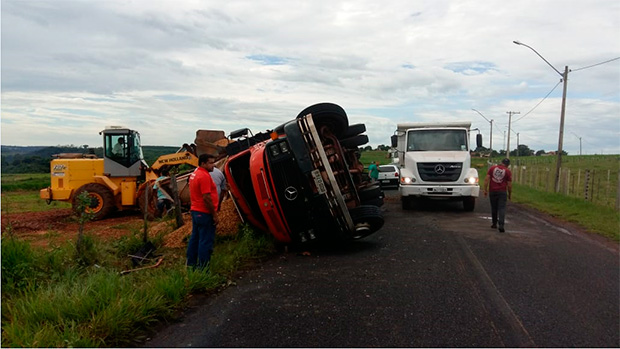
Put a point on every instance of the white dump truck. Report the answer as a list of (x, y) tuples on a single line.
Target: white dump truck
[(435, 162)]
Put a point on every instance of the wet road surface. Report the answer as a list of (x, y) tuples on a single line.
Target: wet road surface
[(432, 277)]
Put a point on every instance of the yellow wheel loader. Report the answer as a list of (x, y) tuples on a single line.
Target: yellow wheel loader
[(120, 179)]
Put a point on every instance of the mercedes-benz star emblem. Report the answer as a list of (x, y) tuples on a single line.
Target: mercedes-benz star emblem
[(290, 193), (439, 169)]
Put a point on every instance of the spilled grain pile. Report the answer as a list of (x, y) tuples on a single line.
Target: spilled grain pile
[(228, 225)]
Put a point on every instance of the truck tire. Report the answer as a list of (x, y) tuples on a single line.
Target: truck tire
[(354, 142), (370, 193), (354, 130), (469, 203), (330, 115), (367, 220), (101, 200), (407, 202)]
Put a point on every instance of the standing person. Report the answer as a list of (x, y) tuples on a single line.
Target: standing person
[(220, 184), (497, 182), (164, 202), (204, 200), (374, 171)]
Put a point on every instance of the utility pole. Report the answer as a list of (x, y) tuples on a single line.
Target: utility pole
[(579, 142), (561, 138), (518, 151), (510, 113)]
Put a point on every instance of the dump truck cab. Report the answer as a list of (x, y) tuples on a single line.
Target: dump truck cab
[(301, 181)]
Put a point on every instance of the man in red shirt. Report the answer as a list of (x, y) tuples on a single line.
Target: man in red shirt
[(204, 201), (496, 184)]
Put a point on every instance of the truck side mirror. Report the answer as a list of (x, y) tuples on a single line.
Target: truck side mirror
[(479, 140), (394, 140)]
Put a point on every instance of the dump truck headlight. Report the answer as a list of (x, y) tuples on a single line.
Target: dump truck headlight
[(471, 180), (275, 150), (407, 180)]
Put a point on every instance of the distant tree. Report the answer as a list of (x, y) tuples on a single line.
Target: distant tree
[(366, 148), (540, 152), (522, 150), (383, 147)]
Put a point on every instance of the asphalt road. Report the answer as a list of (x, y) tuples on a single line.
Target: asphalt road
[(433, 277)]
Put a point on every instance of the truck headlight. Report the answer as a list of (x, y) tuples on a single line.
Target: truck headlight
[(275, 150), (471, 180), (407, 180)]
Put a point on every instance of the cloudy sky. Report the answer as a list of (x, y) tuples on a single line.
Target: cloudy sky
[(168, 68)]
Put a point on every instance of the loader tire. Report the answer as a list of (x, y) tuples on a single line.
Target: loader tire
[(148, 209), (101, 200), (330, 115)]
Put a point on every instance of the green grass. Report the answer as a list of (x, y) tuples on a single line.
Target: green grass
[(602, 220), (369, 156), (26, 181), (50, 299), (28, 201)]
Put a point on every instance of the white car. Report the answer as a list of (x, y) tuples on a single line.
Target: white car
[(389, 175)]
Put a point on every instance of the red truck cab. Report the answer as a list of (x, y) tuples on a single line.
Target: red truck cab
[(302, 182)]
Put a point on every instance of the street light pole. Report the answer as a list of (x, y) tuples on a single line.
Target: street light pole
[(490, 133), (562, 113)]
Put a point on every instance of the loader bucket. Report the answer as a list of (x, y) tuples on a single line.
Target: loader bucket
[(209, 142)]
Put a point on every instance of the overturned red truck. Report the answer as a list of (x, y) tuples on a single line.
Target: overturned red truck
[(303, 181)]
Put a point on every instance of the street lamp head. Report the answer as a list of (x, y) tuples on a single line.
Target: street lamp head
[(517, 42)]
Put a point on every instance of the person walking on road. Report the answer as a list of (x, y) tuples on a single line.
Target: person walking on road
[(498, 185), (373, 171), (204, 204)]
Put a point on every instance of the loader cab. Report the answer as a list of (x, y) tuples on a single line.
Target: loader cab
[(122, 152)]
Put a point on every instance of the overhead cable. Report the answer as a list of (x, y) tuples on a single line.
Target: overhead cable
[(536, 106), (594, 65)]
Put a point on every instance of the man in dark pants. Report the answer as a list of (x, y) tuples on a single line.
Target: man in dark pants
[(204, 201), (497, 182)]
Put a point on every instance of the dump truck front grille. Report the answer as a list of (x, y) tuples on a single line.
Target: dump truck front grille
[(440, 171)]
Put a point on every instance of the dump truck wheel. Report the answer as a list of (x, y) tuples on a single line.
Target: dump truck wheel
[(354, 142), (330, 115), (367, 220), (370, 193), (354, 130), (469, 203), (101, 200)]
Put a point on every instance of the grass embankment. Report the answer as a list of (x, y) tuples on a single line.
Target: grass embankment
[(53, 298), (601, 220)]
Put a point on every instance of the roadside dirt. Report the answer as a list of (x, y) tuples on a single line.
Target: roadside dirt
[(54, 227), (58, 226)]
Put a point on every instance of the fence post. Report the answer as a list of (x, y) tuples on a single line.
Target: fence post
[(586, 181), (618, 194), (567, 182), (578, 182)]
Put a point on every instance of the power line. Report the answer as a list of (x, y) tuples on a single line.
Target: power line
[(594, 65), (536, 106)]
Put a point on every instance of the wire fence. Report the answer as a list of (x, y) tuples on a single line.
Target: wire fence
[(591, 178)]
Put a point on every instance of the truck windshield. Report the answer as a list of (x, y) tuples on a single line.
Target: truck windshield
[(437, 140)]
